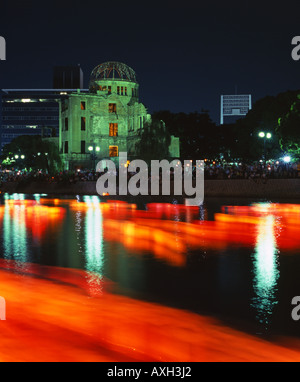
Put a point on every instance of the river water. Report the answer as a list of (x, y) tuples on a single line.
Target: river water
[(238, 265)]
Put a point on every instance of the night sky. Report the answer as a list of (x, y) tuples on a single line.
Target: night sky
[(185, 54)]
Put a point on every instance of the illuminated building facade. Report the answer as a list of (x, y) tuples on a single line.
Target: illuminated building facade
[(104, 121)]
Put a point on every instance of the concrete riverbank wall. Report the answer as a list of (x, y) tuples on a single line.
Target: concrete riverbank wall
[(271, 188)]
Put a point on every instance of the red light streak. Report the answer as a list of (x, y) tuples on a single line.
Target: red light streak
[(52, 317)]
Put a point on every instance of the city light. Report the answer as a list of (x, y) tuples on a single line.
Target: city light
[(263, 135), (287, 159), (91, 148)]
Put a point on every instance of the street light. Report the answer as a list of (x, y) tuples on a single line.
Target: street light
[(264, 135), (93, 149), (18, 157)]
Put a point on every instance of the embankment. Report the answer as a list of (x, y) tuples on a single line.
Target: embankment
[(271, 188)]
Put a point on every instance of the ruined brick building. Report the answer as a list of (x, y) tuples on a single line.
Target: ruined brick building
[(104, 121)]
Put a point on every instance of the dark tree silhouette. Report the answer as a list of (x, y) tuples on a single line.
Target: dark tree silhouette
[(154, 141), (38, 153), (288, 130)]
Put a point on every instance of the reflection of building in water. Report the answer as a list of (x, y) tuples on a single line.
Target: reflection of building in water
[(106, 120), (93, 235), (14, 232), (93, 243), (266, 271)]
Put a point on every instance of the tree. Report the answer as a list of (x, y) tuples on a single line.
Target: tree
[(198, 135), (154, 141), (32, 152), (288, 130), (262, 117)]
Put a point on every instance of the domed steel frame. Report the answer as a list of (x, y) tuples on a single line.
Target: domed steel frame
[(114, 71)]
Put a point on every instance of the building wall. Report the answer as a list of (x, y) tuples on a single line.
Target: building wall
[(89, 117)]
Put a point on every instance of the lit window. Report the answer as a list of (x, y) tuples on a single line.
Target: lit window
[(82, 105), (118, 89), (121, 90), (109, 89), (113, 129), (113, 151), (112, 108)]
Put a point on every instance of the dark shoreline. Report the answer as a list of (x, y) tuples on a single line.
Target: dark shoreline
[(235, 188)]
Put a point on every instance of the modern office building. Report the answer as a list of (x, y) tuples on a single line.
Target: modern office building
[(235, 105), (67, 77), (36, 111), (30, 112), (105, 120)]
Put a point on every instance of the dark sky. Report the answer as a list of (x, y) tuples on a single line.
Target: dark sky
[(185, 54)]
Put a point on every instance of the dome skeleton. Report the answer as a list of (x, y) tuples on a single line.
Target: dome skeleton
[(113, 70)]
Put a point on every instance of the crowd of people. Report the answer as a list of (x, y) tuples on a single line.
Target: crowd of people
[(214, 170), (260, 170), (40, 176)]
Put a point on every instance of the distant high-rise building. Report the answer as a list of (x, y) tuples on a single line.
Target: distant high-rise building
[(67, 77), (235, 105)]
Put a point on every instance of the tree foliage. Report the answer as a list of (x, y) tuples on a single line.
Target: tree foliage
[(262, 117), (288, 129), (154, 141), (38, 154), (201, 138), (197, 133)]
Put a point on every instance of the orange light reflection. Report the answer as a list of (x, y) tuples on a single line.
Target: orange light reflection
[(52, 318)]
